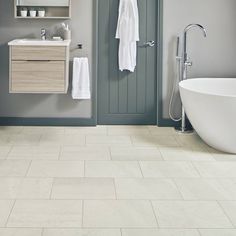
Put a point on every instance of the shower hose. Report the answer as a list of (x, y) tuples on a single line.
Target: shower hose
[(175, 84)]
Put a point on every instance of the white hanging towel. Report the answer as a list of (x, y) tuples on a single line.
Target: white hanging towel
[(128, 33), (81, 81)]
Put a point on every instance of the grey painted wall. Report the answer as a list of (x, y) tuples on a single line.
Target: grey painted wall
[(212, 57), (43, 105)]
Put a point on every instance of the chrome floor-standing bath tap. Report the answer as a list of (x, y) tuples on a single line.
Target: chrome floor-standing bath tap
[(184, 64)]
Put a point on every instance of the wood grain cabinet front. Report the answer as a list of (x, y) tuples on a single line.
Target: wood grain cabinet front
[(38, 77), (39, 70), (38, 53)]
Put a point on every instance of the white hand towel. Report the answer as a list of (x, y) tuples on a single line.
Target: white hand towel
[(128, 33), (81, 80)]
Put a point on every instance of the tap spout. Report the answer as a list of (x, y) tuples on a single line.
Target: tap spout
[(189, 27), (196, 26)]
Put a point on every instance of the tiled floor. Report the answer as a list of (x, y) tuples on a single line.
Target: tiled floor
[(113, 181)]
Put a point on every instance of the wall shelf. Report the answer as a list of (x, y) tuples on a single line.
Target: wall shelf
[(55, 9)]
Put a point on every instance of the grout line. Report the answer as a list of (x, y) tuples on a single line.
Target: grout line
[(121, 233), (139, 164), (195, 168), (161, 154), (84, 163), (8, 153), (60, 152), (117, 228), (86, 140), (13, 205), (177, 187), (112, 199), (225, 213), (199, 232), (132, 141), (111, 159), (158, 226), (27, 171), (50, 195), (114, 182), (82, 223)]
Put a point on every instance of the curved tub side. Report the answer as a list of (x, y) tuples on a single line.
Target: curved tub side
[(213, 117)]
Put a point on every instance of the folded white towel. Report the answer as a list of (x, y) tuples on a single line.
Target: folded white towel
[(81, 80)]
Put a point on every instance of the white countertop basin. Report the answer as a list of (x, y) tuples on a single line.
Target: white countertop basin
[(38, 42)]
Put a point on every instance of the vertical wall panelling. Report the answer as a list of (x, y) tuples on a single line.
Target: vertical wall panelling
[(130, 98)]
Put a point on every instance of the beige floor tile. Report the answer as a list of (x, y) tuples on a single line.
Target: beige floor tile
[(46, 213), (83, 188), (216, 169), (159, 232), (5, 140), (108, 140), (13, 168), (4, 150), (146, 189), (25, 188), (43, 130), (161, 153), (135, 154), (224, 157), (74, 139), (190, 214), (230, 210), (118, 214), (155, 130), (85, 153), (4, 130), (191, 141), (34, 153), (99, 130), (56, 169), (218, 232), (24, 139), (5, 210), (51, 139), (155, 141), (81, 232), (168, 169), (207, 189), (20, 232), (184, 154), (128, 130), (221, 156), (58, 139), (116, 169)]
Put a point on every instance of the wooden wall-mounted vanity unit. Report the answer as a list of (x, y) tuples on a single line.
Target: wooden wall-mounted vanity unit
[(39, 67)]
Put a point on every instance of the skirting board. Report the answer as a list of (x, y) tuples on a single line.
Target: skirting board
[(12, 121), (15, 121)]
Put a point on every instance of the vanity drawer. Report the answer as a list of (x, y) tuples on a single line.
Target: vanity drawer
[(37, 77), (38, 53)]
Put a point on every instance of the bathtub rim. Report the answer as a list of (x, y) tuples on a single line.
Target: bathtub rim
[(182, 85)]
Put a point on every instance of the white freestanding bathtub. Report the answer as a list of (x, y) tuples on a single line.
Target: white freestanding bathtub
[(210, 105)]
